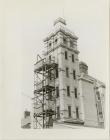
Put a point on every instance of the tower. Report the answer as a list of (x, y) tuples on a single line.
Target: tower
[(61, 46), (63, 90)]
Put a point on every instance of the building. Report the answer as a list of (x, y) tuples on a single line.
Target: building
[(26, 120), (73, 95), (92, 92)]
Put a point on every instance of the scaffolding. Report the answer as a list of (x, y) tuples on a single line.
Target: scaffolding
[(44, 100)]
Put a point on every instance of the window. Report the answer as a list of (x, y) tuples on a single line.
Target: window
[(98, 95), (57, 92), (74, 74), (57, 72), (72, 57), (50, 44), (68, 91), (58, 112), (69, 111), (75, 92), (77, 113), (50, 95), (66, 55), (56, 40), (64, 40), (71, 44), (49, 57), (100, 113), (67, 72), (50, 76), (99, 107)]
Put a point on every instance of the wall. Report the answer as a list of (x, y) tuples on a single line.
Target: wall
[(88, 96)]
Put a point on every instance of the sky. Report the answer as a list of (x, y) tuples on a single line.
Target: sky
[(26, 23)]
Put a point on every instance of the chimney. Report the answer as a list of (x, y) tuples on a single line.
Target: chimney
[(26, 114), (83, 68)]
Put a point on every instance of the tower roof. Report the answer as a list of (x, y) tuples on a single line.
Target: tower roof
[(59, 26), (59, 20)]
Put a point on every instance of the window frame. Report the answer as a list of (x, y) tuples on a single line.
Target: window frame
[(73, 59), (57, 73), (50, 44), (67, 72), (56, 40), (66, 55), (64, 40), (77, 112), (50, 95), (74, 74), (57, 92), (98, 95), (68, 91), (58, 112), (71, 43), (50, 58), (69, 111), (75, 93), (50, 75)]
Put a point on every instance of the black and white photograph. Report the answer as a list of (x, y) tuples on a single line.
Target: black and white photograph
[(54, 69)]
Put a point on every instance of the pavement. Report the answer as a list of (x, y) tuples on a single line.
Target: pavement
[(66, 126), (72, 126)]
